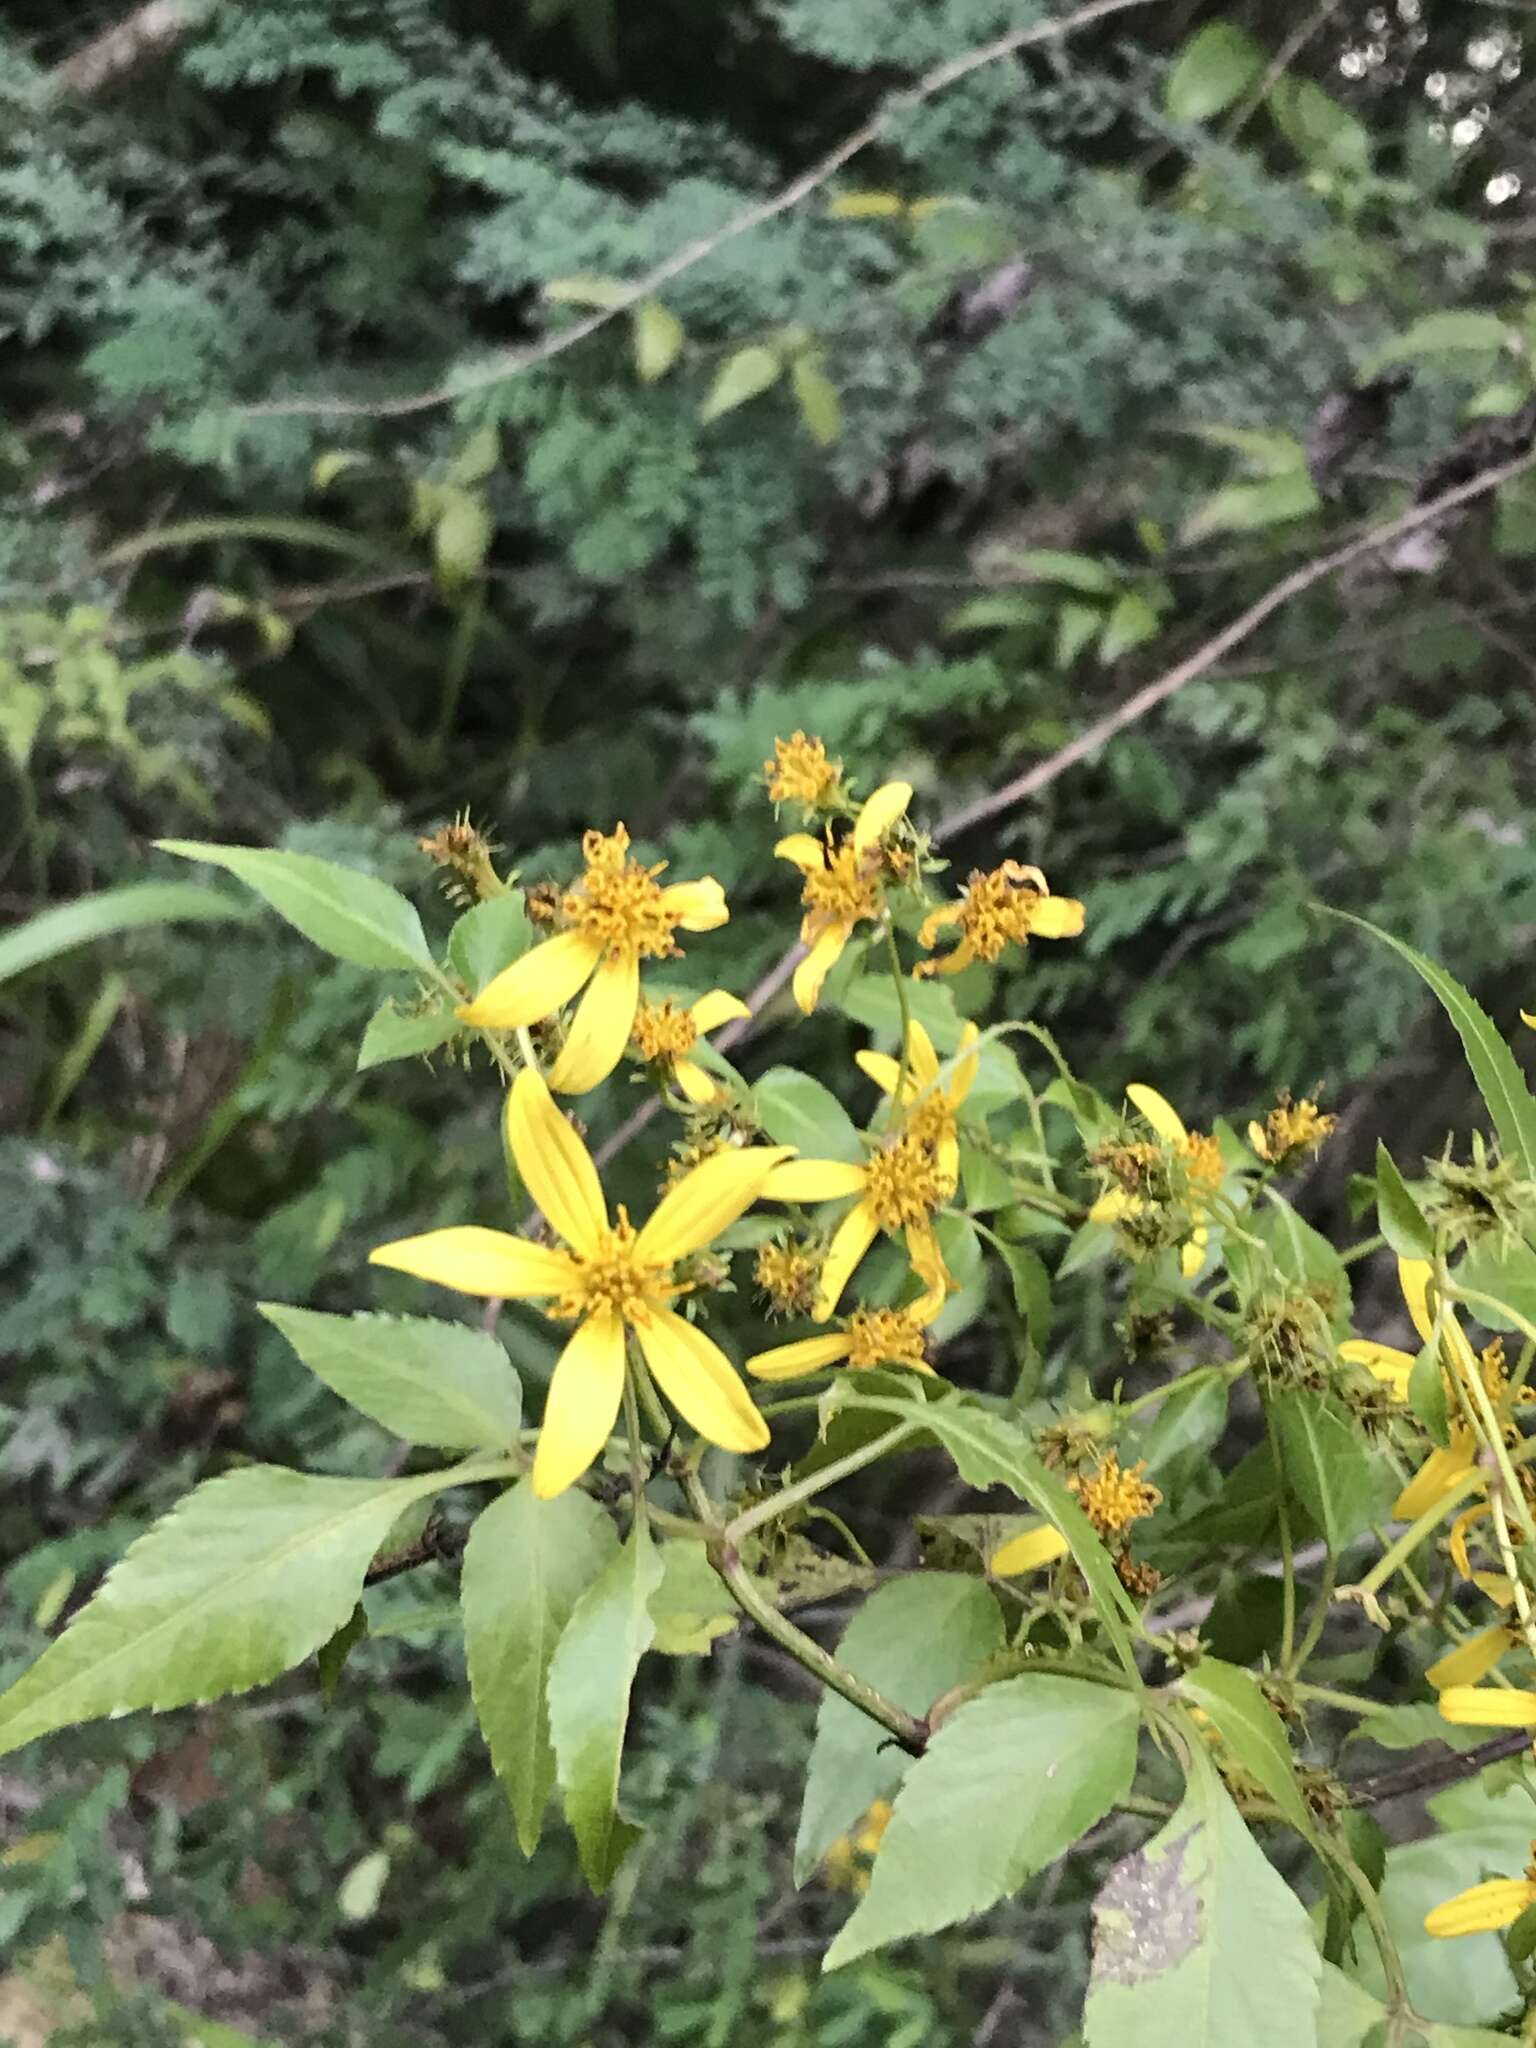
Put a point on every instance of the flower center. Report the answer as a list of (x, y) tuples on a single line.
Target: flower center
[(905, 1182), (842, 892), (664, 1032), (1113, 1498), (1202, 1159), (998, 909), (800, 771), (613, 1281), (617, 902), (786, 1274), (884, 1336)]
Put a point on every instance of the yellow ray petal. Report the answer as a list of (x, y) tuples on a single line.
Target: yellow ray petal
[(850, 1241), (697, 906), (1456, 1542), (1483, 1909), (555, 1165), (1192, 1257), (794, 1361), (1433, 1481), (818, 964), (1384, 1362), (922, 1060), (705, 1201), (1528, 1017), (1112, 1205), (963, 1080), (477, 1261), (1028, 1552), (717, 1008), (887, 804), (1056, 917), (815, 1180), (600, 1029), (698, 1085), (1488, 1706), (1159, 1113), (700, 1381), (804, 849), (582, 1405), (1471, 1661), (1414, 1276), (882, 1070), (543, 981), (928, 1264)]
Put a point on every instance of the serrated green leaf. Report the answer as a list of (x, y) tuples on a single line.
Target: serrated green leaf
[(912, 1640), (1010, 1781), (594, 1668), (352, 915), (526, 1565), (1249, 507), (394, 1034), (1198, 1942), (1342, 1482), (744, 375), (1184, 1430), (1215, 67), (60, 930), (243, 1579), (820, 406), (1253, 1731), (430, 1382), (1302, 1255), (1509, 1276), (658, 339), (1401, 1218), (489, 937), (794, 1109), (1349, 2017)]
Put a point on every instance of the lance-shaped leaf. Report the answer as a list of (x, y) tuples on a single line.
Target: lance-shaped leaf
[(1252, 1730), (1342, 1482), (243, 1579), (429, 1382), (343, 911)]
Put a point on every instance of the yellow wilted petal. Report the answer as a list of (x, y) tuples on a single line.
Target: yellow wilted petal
[(922, 1060), (1495, 1586), (717, 1008), (582, 1405), (699, 1087), (1471, 1661), (697, 906), (705, 1201), (794, 1361), (700, 1381), (1158, 1111), (1487, 1706), (1458, 1536), (600, 1029), (803, 848), (1414, 1276), (888, 803), (882, 1070), (1483, 1909), (815, 1180), (1057, 917), (1433, 1481), (477, 1261), (817, 965), (1258, 1138), (1028, 1552), (851, 1240), (532, 988), (963, 1080), (1384, 1362), (555, 1165), (928, 1264)]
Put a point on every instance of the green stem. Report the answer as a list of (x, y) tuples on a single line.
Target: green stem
[(1318, 1619), (904, 1011), (1330, 1696), (790, 1497), (638, 1475), (1376, 1920), (461, 648)]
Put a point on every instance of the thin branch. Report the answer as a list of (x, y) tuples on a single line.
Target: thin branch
[(515, 361), (150, 31), (1434, 1773)]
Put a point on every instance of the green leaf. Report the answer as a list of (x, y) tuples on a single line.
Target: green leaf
[(1181, 1435), (461, 536), (1031, 1285), (1302, 1255), (22, 708), (658, 338), (489, 937), (1343, 1483), (1198, 1942), (994, 614), (867, 206), (820, 406), (353, 915), (363, 1886), (1077, 572), (1317, 127), (1448, 333), (527, 1563), (55, 932), (1509, 1275), (744, 375), (1401, 1218), (1215, 67), (1132, 621), (1249, 507), (871, 1000), (1076, 625), (480, 455), (691, 1608), (331, 1657), (1494, 1067), (1253, 1731), (594, 1668), (1349, 2017), (394, 1034), (1010, 1781), (244, 1578), (429, 1382), (794, 1109), (912, 1640), (1427, 1395)]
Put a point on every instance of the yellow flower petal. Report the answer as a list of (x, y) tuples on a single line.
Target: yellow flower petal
[(1159, 1113), (877, 817), (555, 1165), (717, 1008), (1528, 1017), (963, 1080), (600, 1029), (850, 1241), (1433, 1481), (477, 1261), (1471, 1661), (1028, 1552), (543, 981), (882, 1070), (794, 1361), (1414, 1276), (582, 1405), (1258, 1138), (1056, 917), (814, 1180), (1457, 1544), (1192, 1257), (697, 906), (1111, 1205), (1487, 1706), (1384, 1362), (700, 1381), (698, 1085), (922, 1060), (818, 964), (803, 848), (928, 1264), (705, 1201), (1483, 1909)]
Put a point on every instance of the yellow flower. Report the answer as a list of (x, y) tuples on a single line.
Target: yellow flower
[(1026, 1553), (1483, 1909), (847, 1861), (1290, 1131), (1487, 1706), (1202, 1161), (615, 916), (787, 1272), (1009, 906), (911, 1173), (1112, 1497), (665, 1036), (841, 886), (869, 1337), (800, 772), (613, 1280)]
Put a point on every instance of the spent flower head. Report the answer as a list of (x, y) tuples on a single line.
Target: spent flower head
[(801, 773), (1291, 1132)]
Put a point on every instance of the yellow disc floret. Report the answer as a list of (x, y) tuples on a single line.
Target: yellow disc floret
[(1113, 1498), (663, 1032), (611, 1280), (885, 1336), (618, 904), (906, 1182), (800, 771)]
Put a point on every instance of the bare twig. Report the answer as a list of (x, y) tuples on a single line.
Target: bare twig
[(515, 361), (150, 31), (1432, 1774)]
